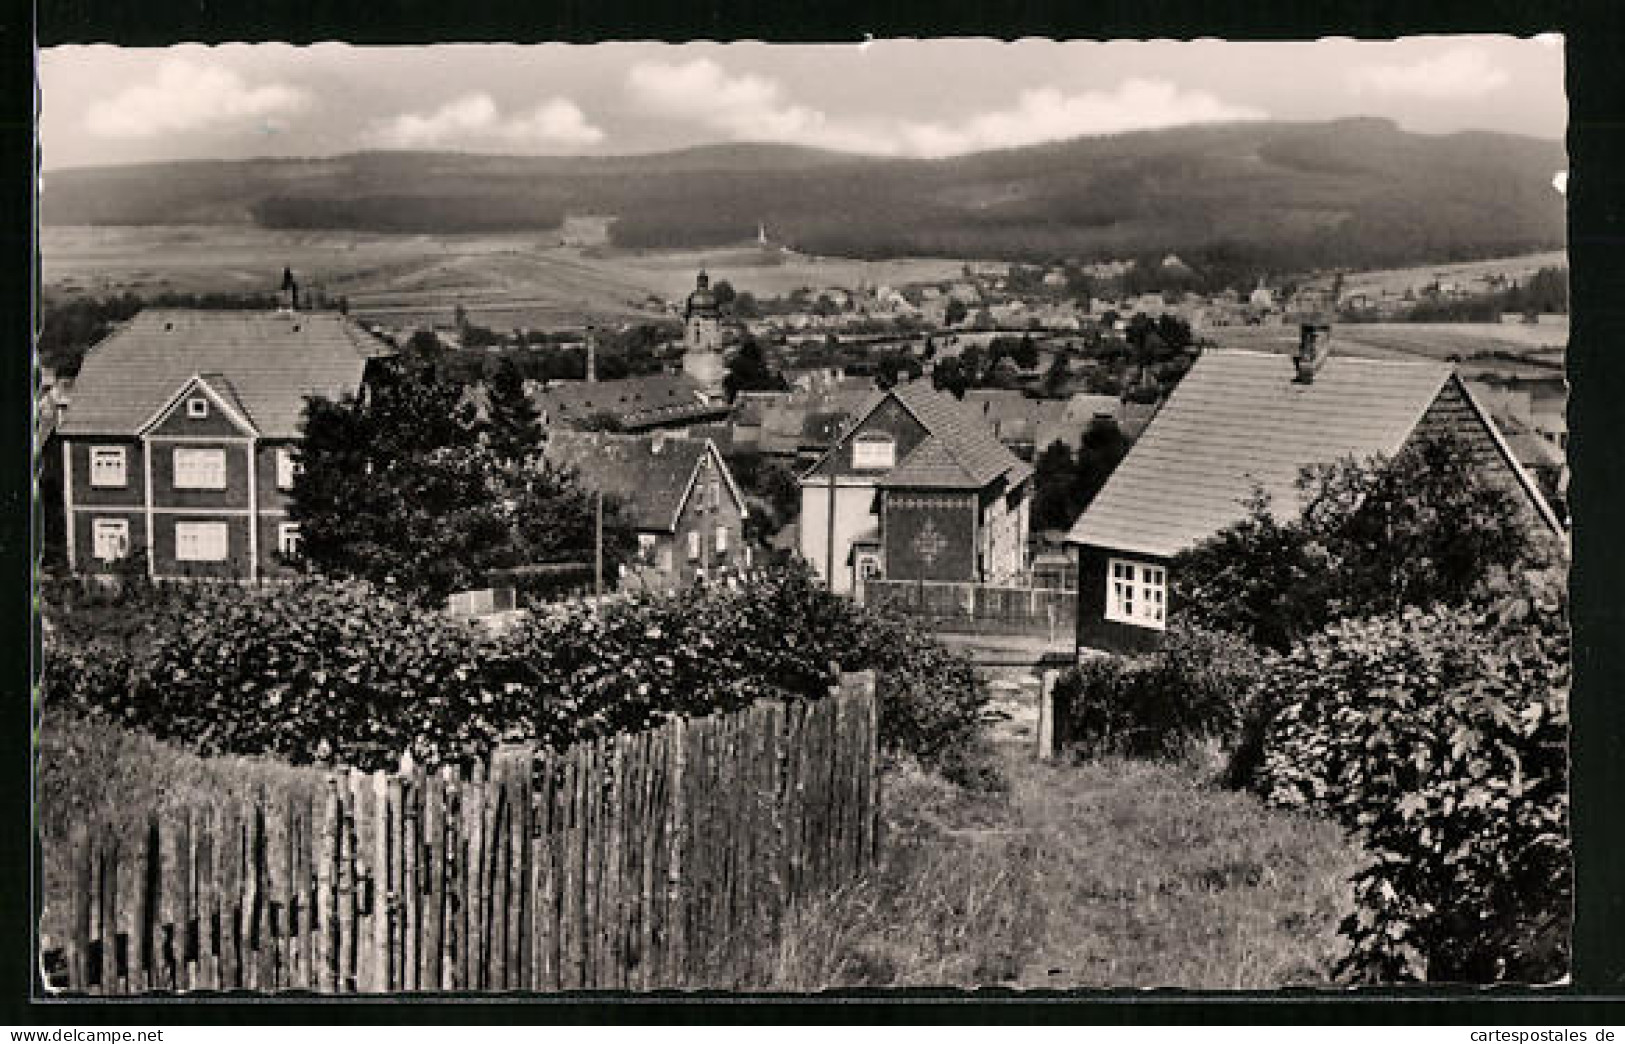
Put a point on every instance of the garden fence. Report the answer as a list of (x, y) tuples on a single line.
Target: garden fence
[(980, 608), (663, 859)]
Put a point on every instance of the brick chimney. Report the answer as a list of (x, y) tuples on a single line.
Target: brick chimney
[(1314, 345)]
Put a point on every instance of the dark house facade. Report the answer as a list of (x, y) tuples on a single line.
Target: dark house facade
[(915, 488), (179, 445)]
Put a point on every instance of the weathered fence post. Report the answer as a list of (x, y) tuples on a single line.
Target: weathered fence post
[(1046, 716)]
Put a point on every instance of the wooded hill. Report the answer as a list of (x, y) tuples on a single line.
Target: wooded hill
[(1351, 193)]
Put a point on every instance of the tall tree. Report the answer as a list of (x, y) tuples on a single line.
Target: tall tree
[(1054, 488), (395, 487), (513, 426), (748, 370)]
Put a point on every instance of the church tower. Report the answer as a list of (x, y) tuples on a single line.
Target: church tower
[(702, 339)]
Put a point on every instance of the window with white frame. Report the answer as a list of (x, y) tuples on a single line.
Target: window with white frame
[(722, 539), (201, 542), (874, 449), (694, 546), (1136, 593), (110, 538), (197, 407), (647, 546), (284, 468), (287, 539), (200, 468), (107, 467)]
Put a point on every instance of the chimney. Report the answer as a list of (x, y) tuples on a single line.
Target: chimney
[(592, 355), (1314, 345)]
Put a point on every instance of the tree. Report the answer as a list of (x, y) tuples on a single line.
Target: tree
[(723, 291), (893, 366), (954, 313), (949, 375), (1424, 527), (748, 370), (1054, 488), (1025, 353), (1104, 447), (513, 428), (1058, 374), (395, 487)]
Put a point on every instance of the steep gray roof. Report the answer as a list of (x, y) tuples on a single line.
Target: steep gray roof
[(959, 451), (650, 475), (1239, 420), (265, 362)]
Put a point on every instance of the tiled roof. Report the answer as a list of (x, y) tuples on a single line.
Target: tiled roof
[(266, 362), (1239, 420), (637, 402), (959, 450), (649, 482), (649, 474)]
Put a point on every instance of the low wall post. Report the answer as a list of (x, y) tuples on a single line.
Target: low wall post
[(1046, 715)]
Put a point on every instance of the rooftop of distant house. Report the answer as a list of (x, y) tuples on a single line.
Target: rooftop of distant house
[(265, 363), (649, 474), (635, 402)]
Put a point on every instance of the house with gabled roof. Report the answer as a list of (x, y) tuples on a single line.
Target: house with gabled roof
[(179, 444), (916, 487), (652, 402), (1243, 421), (678, 494)]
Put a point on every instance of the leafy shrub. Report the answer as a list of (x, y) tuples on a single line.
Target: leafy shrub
[(1420, 528), (1158, 705), (320, 672), (1439, 739)]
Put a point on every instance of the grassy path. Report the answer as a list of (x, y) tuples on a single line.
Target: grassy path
[(1107, 874)]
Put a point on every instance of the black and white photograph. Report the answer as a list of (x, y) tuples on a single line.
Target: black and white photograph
[(633, 518)]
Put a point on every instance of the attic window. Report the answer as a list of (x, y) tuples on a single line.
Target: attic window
[(874, 450), (197, 407)]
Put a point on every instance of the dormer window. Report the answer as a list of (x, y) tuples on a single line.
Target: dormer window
[(874, 450), (197, 407)]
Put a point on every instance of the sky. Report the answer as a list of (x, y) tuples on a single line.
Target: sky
[(920, 98)]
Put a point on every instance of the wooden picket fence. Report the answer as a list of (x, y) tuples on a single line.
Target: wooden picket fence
[(664, 859)]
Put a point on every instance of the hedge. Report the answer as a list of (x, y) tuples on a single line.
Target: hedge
[(1161, 704), (320, 672)]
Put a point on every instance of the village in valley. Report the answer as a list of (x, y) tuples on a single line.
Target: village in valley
[(936, 623)]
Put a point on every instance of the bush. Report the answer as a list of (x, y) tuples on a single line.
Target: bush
[(1440, 740), (1159, 705), (318, 672), (1374, 536)]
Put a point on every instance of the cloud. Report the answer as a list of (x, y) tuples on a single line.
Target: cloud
[(187, 96), (754, 108), (1456, 74), (475, 120)]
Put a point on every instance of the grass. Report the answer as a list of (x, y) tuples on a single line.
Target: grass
[(1112, 873), (92, 771)]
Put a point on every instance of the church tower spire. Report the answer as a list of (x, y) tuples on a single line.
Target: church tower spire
[(702, 338)]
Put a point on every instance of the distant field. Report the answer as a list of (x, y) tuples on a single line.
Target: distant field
[(503, 281), (1398, 280), (1524, 350)]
